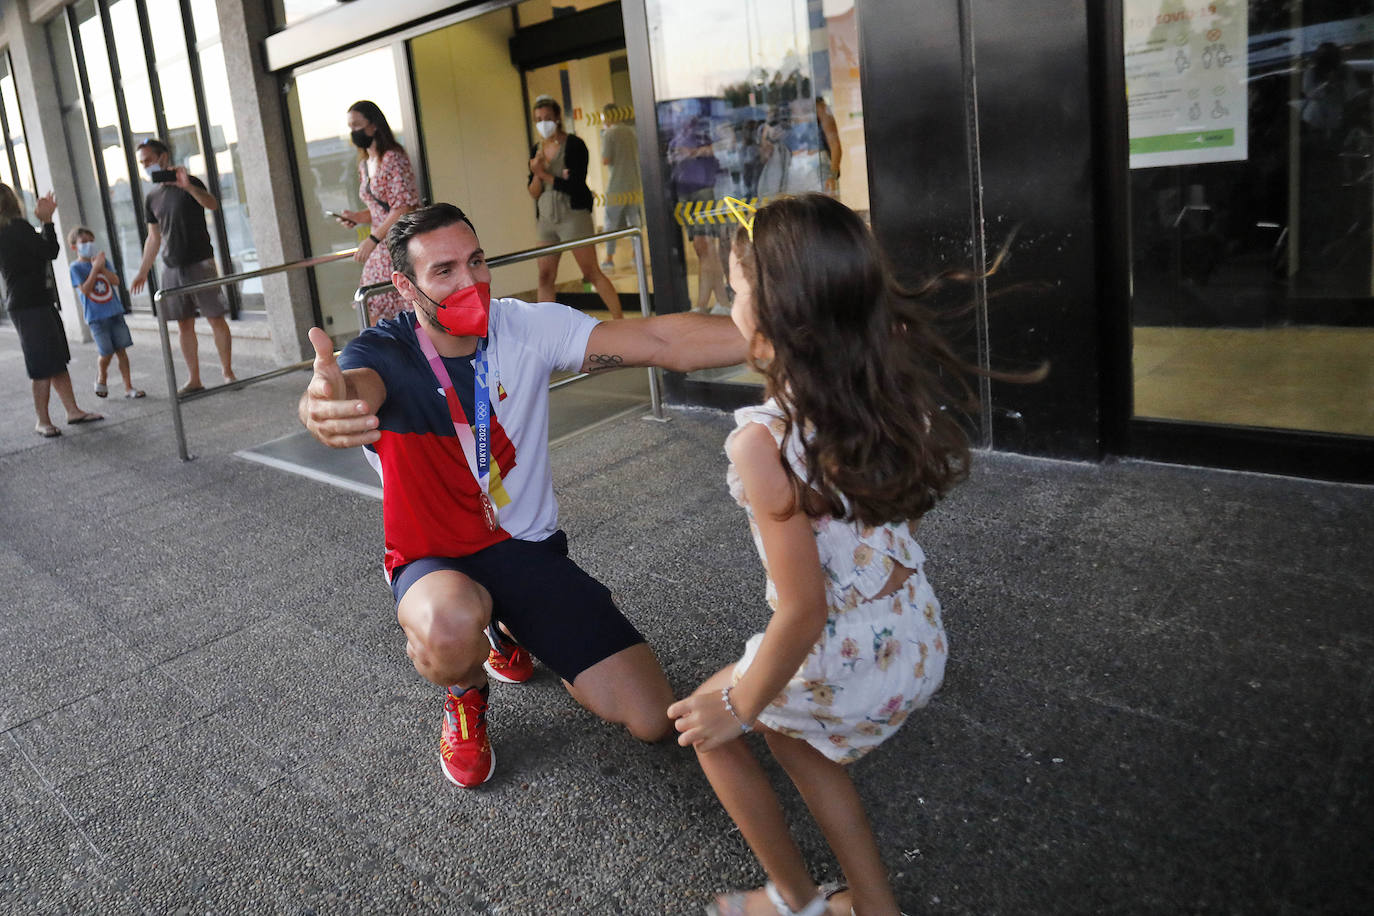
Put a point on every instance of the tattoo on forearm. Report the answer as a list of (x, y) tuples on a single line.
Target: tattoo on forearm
[(597, 362)]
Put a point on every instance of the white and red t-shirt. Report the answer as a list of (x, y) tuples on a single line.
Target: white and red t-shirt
[(430, 505)]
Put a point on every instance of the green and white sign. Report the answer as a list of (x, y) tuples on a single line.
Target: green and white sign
[(1186, 64)]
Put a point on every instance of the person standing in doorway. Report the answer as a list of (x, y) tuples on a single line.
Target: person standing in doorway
[(563, 202), (620, 154), (24, 257), (387, 187), (176, 214)]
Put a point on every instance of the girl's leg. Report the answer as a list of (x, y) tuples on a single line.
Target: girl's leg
[(743, 789), (830, 795), (548, 276), (586, 262), (122, 356)]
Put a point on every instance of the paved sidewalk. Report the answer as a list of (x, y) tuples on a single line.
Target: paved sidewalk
[(1159, 697)]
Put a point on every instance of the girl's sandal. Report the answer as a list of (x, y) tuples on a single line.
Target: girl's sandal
[(733, 904)]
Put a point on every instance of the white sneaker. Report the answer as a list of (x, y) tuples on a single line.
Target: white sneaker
[(608, 265)]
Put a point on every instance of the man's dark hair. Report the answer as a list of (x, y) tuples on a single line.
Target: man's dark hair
[(154, 144), (418, 222)]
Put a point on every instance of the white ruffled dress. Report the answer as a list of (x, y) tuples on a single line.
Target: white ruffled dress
[(876, 660)]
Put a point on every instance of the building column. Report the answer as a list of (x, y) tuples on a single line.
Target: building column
[(259, 118)]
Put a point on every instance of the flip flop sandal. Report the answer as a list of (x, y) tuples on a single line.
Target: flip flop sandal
[(101, 390), (48, 432), (136, 393), (85, 418), (188, 388), (733, 904)]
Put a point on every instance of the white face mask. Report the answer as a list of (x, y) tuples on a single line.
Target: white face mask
[(86, 249), (546, 128)]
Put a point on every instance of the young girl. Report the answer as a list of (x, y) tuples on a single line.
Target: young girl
[(835, 470)]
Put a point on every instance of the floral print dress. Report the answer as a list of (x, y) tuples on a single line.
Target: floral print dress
[(876, 660), (393, 185)]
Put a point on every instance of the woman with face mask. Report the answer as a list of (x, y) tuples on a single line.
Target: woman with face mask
[(387, 188), (563, 202), (24, 256)]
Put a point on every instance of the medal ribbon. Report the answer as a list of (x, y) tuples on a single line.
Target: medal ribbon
[(477, 450)]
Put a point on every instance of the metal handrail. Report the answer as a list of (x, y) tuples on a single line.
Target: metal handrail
[(363, 293), (175, 396), (360, 299)]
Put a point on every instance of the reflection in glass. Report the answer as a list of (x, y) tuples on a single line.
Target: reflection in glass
[(1252, 266), (773, 108)]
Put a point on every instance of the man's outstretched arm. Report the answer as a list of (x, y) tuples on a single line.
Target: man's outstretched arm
[(340, 408), (681, 342)]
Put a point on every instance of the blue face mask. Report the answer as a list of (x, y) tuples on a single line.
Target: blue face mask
[(86, 249)]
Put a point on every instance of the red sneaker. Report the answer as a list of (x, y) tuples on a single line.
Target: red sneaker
[(508, 662), (464, 752)]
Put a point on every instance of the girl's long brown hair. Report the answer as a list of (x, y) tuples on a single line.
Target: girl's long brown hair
[(858, 365)]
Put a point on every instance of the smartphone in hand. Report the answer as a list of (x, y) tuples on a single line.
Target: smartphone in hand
[(339, 216), (163, 176)]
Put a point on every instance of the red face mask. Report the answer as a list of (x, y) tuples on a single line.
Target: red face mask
[(465, 312)]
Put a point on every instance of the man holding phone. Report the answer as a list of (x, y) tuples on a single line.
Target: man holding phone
[(176, 214)]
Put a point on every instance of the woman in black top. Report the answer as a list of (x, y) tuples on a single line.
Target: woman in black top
[(24, 257), (563, 202)]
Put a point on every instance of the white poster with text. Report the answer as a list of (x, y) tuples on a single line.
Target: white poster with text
[(1186, 65)]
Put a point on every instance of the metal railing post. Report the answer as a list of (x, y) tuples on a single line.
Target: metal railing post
[(177, 425), (655, 399)]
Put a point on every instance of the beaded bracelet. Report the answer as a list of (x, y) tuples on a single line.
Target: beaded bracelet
[(725, 698)]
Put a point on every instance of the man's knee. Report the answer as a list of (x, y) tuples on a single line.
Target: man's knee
[(444, 629), (650, 725)]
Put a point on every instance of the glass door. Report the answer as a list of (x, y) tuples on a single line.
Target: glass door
[(1251, 196)]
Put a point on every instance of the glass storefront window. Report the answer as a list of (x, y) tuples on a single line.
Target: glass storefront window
[(327, 164), (233, 205), (755, 99), (21, 179), (1252, 198), (89, 206), (126, 245), (597, 106), (533, 12)]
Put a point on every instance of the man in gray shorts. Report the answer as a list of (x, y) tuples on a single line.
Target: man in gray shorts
[(176, 213)]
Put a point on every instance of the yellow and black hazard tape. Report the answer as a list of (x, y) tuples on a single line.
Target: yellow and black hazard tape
[(618, 199), (616, 115), (705, 212)]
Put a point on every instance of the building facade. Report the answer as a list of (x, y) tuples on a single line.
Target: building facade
[(1169, 201)]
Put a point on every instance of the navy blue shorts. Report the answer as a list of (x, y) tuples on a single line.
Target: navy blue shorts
[(563, 616)]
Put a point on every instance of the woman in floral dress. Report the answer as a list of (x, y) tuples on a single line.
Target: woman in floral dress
[(387, 187)]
